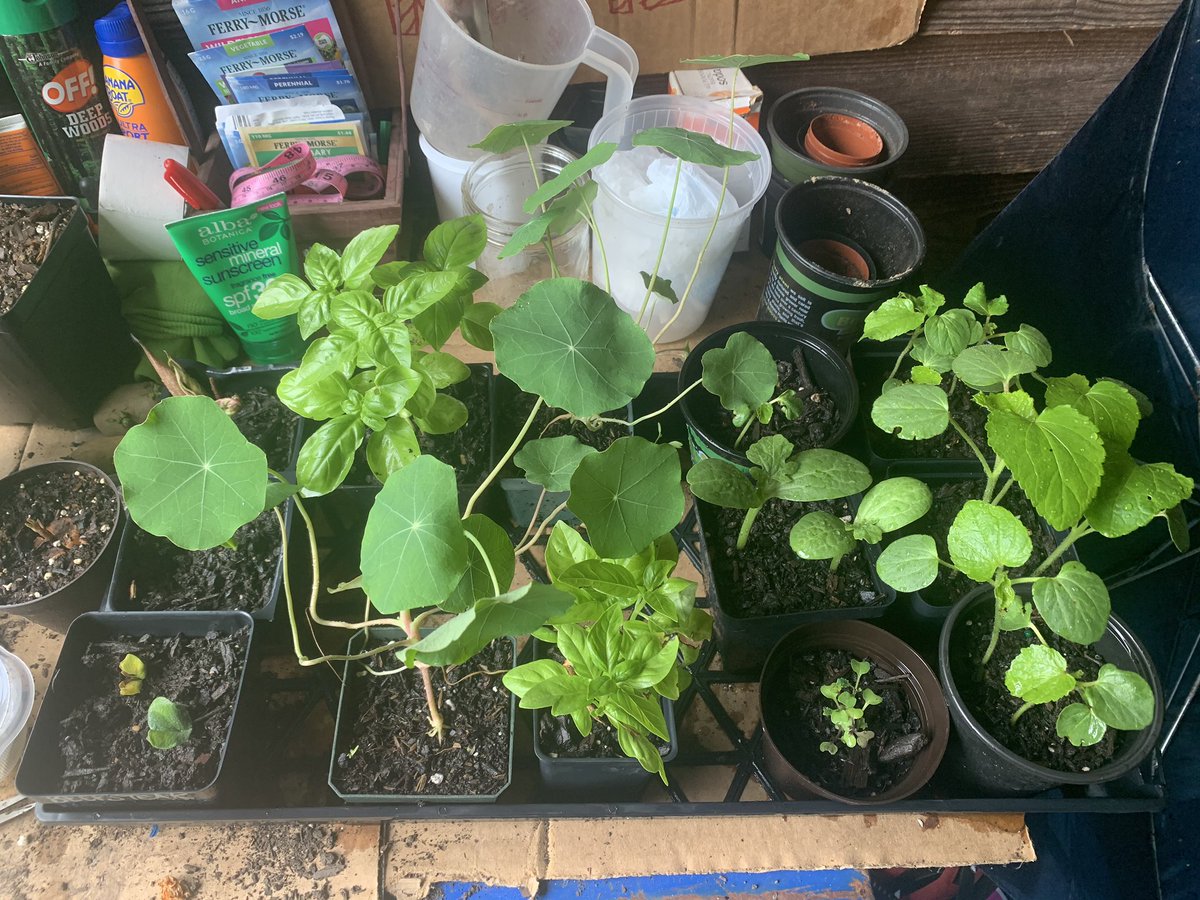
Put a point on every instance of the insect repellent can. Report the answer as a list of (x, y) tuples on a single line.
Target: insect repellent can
[(51, 60), (843, 246)]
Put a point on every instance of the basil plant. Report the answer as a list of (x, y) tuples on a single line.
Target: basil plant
[(1070, 454)]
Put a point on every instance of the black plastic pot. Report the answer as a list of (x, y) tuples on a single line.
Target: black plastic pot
[(790, 116), (746, 641), (827, 366), (888, 653), (40, 774), (996, 769), (241, 378), (356, 644), (58, 609), (853, 213), (63, 345)]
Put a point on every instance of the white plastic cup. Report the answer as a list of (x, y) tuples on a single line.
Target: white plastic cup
[(447, 174), (463, 89), (16, 705), (632, 236)]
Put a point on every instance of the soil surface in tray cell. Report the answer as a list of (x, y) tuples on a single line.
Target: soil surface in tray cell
[(385, 743), (104, 745), (468, 449), (862, 771), (53, 525), (817, 422), (26, 235), (766, 578), (267, 424), (167, 577), (1033, 735), (948, 499), (948, 445)]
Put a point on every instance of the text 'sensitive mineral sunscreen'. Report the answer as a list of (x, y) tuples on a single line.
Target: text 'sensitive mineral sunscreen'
[(234, 253)]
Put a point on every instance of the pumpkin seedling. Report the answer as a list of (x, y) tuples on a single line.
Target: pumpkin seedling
[(170, 723), (848, 712), (133, 673)]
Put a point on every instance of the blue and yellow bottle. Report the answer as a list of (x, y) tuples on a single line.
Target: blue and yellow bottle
[(134, 88)]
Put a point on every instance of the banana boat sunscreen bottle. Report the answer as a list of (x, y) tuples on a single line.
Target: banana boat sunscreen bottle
[(135, 91)]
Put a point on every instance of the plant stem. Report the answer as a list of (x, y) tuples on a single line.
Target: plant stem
[(508, 454), (1024, 708), (537, 534), (437, 727), (548, 241), (995, 638), (1082, 529), (747, 524), (992, 478), (537, 508), (912, 339), (970, 443), (487, 563), (652, 415), (591, 220), (662, 246), (1004, 490)]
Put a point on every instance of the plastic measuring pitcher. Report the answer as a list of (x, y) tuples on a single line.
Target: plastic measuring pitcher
[(475, 72)]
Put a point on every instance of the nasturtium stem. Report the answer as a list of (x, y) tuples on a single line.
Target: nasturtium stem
[(747, 524), (742, 434), (548, 240), (590, 215), (496, 592), (1024, 708), (662, 246), (508, 454), (652, 415), (1082, 529), (537, 509), (542, 527)]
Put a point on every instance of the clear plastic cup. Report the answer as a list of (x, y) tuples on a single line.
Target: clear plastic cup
[(463, 89), (496, 187), (632, 236), (16, 704)]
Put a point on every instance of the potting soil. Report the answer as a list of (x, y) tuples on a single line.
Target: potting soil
[(26, 235), (267, 424)]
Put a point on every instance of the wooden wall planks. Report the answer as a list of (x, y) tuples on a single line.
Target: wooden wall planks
[(1006, 16)]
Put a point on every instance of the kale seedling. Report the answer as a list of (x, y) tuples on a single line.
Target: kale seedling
[(780, 472), (170, 723), (848, 712), (744, 377)]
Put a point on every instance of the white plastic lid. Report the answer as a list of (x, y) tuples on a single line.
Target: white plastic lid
[(16, 697)]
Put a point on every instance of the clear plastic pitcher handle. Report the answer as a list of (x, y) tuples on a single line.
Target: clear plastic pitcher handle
[(609, 54)]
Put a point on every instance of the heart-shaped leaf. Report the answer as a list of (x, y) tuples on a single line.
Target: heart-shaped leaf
[(1028, 340), (894, 503), (189, 475), (1079, 725), (913, 411), (987, 366), (742, 374), (413, 550), (568, 342), (168, 724), (1110, 406), (551, 462), (1121, 699), (692, 146), (1130, 495), (1039, 675), (507, 137), (951, 332), (909, 564), (1074, 603), (628, 495), (984, 538), (892, 318)]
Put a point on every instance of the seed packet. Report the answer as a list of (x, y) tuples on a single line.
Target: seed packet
[(340, 87), (327, 139), (210, 23), (253, 54), (231, 119)]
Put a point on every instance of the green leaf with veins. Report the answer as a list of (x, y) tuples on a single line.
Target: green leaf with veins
[(1012, 613), (317, 396), (571, 172), (987, 366), (661, 286), (1131, 495), (568, 342), (438, 322), (977, 300), (816, 475), (1080, 725), (928, 300), (417, 293), (1057, 458), (442, 368), (600, 580), (723, 484), (951, 332), (327, 455), (912, 411), (628, 495), (364, 252), (693, 146), (458, 242), (413, 550), (742, 374), (313, 314), (392, 273), (1018, 403), (909, 564), (475, 326), (1074, 603), (513, 614), (1110, 407), (1121, 699), (278, 492), (323, 268), (923, 353), (1039, 674), (892, 318), (283, 296), (392, 448), (507, 137), (476, 583), (168, 724), (564, 548), (448, 414), (551, 462), (1028, 340), (925, 375), (188, 474), (743, 60), (821, 535), (559, 216), (894, 503), (984, 538)]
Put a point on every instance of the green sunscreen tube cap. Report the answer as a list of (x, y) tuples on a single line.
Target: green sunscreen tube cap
[(234, 253)]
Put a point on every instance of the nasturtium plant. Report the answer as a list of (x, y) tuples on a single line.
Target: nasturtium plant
[(169, 724), (745, 379)]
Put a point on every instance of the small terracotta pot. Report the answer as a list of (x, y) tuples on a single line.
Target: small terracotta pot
[(836, 257), (837, 139)]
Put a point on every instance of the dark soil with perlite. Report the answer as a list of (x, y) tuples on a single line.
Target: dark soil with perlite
[(26, 235), (817, 423), (52, 527), (385, 746), (268, 424), (861, 771), (766, 578), (1033, 735), (104, 746), (165, 577)]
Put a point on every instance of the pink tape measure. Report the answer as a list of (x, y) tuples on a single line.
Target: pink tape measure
[(305, 179)]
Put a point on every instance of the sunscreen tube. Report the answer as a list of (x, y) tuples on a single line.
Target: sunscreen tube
[(234, 253)]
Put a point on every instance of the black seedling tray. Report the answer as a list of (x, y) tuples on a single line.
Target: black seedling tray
[(279, 756)]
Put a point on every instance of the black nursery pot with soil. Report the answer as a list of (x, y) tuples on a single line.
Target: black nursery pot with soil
[(89, 746), (63, 343), (911, 723), (759, 593), (844, 246), (59, 523), (382, 752), (986, 744), (817, 372), (262, 417)]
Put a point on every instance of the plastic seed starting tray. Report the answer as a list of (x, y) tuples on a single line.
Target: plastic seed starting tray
[(279, 753)]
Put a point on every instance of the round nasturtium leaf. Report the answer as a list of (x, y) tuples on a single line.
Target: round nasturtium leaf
[(189, 475), (551, 462), (568, 342)]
